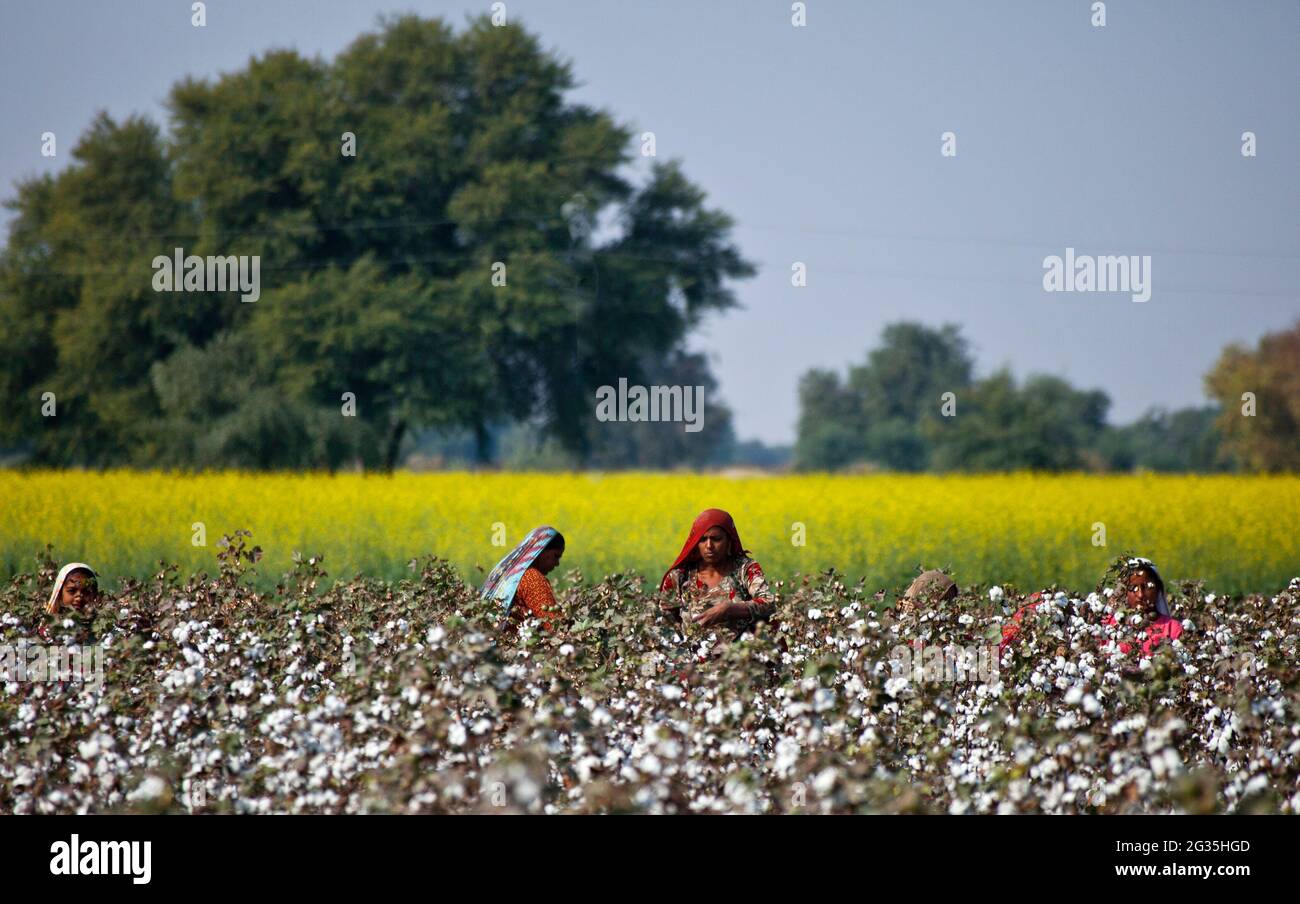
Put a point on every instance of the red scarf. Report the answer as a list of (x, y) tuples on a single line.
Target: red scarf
[(707, 520)]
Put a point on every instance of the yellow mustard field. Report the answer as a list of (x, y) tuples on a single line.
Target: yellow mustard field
[(1238, 533)]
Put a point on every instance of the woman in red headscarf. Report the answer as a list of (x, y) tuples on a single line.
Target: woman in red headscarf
[(714, 581)]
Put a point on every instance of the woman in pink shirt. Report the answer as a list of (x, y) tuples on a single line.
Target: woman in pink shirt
[(1145, 592)]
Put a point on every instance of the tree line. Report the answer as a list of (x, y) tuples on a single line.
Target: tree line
[(914, 405), (446, 244)]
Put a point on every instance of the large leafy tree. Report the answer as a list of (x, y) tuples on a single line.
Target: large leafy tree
[(1259, 397), (377, 268)]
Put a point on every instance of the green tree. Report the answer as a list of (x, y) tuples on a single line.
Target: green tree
[(78, 314), (877, 413), (1261, 429), (1169, 441), (378, 267), (1045, 424), (830, 433)]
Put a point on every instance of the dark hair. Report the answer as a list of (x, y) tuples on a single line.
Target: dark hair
[(557, 542)]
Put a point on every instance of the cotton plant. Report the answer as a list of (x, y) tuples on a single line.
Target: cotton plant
[(368, 696)]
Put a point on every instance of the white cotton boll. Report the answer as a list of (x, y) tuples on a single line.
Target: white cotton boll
[(1173, 763), (787, 754), (895, 686), (824, 783), (151, 788), (456, 734), (566, 649), (1210, 598), (814, 614), (670, 692), (996, 593), (1090, 705), (1256, 784), (1073, 695)]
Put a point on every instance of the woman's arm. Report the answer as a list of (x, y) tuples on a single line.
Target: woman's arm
[(762, 602)]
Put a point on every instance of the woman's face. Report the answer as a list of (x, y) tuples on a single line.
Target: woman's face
[(549, 558), (714, 546), (1143, 591), (79, 591)]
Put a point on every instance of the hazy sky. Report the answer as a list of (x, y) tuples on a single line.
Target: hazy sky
[(824, 143)]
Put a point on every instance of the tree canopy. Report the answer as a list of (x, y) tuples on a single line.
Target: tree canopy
[(482, 256), (914, 405), (1259, 395)]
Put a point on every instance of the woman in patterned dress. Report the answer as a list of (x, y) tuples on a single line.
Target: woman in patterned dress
[(714, 583), (518, 582)]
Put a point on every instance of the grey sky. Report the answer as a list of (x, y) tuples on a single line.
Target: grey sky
[(824, 143)]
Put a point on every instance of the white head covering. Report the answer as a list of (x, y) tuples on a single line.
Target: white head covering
[(53, 605), (1162, 604)]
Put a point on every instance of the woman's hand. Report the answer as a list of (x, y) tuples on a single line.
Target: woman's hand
[(720, 612)]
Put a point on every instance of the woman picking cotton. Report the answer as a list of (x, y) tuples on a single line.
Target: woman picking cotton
[(714, 583), (1143, 591), (76, 589), (518, 582), (1144, 594), (75, 592)]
